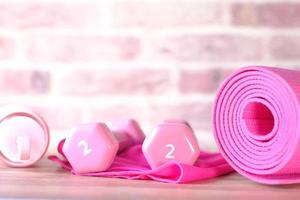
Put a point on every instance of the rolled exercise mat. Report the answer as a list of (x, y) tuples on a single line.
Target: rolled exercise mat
[(256, 122)]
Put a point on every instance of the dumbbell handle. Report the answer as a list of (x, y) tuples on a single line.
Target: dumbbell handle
[(124, 140), (127, 135)]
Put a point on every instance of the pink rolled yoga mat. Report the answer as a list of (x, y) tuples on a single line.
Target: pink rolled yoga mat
[(257, 123)]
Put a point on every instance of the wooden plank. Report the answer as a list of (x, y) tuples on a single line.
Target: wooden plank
[(47, 180)]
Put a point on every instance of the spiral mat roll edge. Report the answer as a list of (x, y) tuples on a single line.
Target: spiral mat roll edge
[(256, 122)]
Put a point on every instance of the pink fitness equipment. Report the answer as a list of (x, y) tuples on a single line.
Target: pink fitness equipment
[(93, 147), (171, 140), (24, 136), (171, 150), (256, 122)]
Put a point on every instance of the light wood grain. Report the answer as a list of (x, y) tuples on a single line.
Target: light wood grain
[(47, 181)]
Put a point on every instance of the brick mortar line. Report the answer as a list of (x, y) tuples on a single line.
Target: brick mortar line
[(139, 65), (71, 101), (145, 32), (147, 1)]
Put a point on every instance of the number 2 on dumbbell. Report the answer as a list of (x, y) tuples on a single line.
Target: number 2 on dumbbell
[(171, 140), (86, 149), (170, 154)]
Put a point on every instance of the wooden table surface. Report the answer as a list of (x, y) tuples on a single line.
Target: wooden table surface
[(47, 181)]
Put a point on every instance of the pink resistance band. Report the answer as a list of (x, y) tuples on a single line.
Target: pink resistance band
[(131, 164), (257, 124)]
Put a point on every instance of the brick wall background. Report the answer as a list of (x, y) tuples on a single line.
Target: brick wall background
[(87, 60)]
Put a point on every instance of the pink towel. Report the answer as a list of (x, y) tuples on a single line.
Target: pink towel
[(131, 164), (257, 124)]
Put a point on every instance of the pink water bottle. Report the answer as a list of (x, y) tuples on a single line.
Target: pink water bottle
[(24, 136)]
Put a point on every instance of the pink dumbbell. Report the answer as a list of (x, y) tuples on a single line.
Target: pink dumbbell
[(171, 140), (93, 147), (24, 136)]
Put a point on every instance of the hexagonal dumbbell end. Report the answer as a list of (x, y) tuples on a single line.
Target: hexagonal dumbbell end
[(90, 148), (93, 147), (171, 140)]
